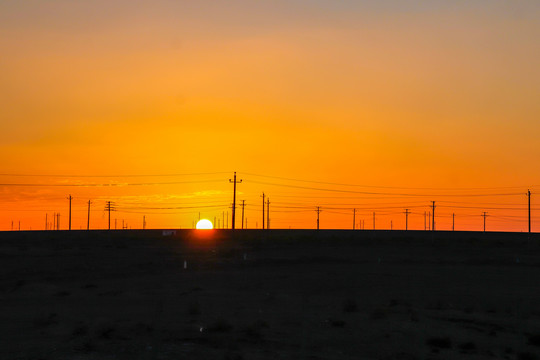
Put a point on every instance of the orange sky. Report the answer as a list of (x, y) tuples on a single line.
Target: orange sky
[(397, 94)]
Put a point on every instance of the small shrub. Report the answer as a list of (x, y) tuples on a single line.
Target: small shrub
[(350, 306), (220, 325), (378, 314), (468, 347), (80, 331), (534, 340), (337, 323), (439, 342), (87, 347), (229, 355), (142, 328), (46, 321), (254, 332), (105, 332), (194, 309), (527, 356)]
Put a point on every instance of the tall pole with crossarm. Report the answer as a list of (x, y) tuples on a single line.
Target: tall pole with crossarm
[(234, 198)]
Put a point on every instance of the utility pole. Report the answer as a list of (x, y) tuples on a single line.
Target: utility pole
[(109, 206), (429, 220), (234, 199), (70, 198), (484, 214), (318, 212), (353, 218), (374, 220), (433, 217), (46, 223), (88, 221), (144, 222), (58, 221), (227, 223), (223, 220), (54, 222), (263, 212), (243, 205), (529, 196), (268, 213), (425, 228), (453, 221), (407, 212)]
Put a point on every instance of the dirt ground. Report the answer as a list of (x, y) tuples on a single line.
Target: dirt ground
[(269, 295)]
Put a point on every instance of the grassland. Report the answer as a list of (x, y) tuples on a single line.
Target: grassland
[(276, 294)]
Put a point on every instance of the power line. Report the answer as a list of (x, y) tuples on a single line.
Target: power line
[(383, 187), (111, 176), (108, 184), (381, 193)]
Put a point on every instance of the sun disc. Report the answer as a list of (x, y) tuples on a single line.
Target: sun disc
[(204, 224)]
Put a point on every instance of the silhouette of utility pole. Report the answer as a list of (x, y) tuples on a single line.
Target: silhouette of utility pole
[(46, 223), (263, 211), (318, 212), (484, 214), (227, 223), (453, 222), (433, 217), (223, 220), (58, 221), (243, 205), (214, 223), (353, 218), (529, 196), (429, 220), (407, 212), (268, 213), (425, 228), (19, 225), (374, 220), (109, 206), (144, 222), (54, 221), (88, 221), (234, 199), (70, 198)]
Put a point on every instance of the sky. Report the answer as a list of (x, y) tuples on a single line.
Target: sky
[(380, 106)]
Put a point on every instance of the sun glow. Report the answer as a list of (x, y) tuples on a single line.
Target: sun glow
[(204, 224)]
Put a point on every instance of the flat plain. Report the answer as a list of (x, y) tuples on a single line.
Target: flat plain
[(275, 294)]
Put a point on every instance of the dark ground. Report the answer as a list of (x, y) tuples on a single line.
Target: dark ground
[(269, 295)]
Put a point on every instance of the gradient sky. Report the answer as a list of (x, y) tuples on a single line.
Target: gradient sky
[(411, 94)]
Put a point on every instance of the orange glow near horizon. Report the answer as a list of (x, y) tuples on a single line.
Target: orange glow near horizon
[(376, 107)]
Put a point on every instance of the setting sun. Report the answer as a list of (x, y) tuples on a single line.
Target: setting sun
[(204, 224)]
